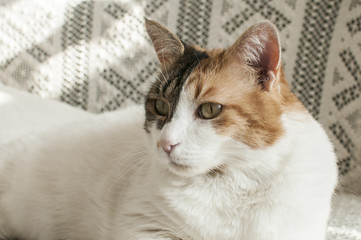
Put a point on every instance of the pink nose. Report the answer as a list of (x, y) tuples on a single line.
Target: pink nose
[(168, 146)]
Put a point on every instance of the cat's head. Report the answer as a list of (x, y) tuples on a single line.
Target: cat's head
[(208, 105)]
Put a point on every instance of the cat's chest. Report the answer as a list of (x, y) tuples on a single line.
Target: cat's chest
[(210, 210)]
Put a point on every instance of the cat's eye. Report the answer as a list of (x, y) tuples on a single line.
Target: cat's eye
[(209, 110), (161, 107)]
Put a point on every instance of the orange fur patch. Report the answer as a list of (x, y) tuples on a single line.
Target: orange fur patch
[(250, 114)]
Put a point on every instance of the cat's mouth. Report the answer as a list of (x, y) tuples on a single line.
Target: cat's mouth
[(179, 167), (175, 164)]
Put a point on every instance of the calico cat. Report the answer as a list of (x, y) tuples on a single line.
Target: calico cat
[(222, 150)]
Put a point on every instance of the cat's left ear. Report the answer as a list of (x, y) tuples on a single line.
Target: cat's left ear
[(259, 47), (167, 45)]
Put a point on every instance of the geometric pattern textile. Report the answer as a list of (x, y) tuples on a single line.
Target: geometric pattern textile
[(96, 55)]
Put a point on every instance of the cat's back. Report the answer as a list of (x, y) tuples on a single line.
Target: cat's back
[(110, 132), (69, 173)]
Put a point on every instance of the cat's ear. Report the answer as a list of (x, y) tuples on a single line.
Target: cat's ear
[(259, 47), (167, 46)]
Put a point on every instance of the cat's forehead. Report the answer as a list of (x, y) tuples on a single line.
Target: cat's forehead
[(218, 79), (206, 75), (173, 79)]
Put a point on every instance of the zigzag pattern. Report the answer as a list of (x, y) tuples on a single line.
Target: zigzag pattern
[(75, 37), (193, 21)]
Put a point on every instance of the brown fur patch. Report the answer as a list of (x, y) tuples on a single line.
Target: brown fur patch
[(250, 114)]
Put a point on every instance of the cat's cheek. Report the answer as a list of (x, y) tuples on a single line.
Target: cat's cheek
[(162, 157), (153, 148)]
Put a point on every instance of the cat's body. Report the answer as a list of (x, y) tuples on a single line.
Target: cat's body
[(57, 197), (222, 156)]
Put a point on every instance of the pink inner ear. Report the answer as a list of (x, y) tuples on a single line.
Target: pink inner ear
[(270, 57), (260, 48), (269, 61)]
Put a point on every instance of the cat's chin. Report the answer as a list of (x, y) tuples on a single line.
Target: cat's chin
[(179, 169), (179, 166), (184, 170)]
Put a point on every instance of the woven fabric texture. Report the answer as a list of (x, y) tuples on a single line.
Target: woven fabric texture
[(96, 55)]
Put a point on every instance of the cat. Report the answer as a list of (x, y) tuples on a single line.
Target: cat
[(221, 150)]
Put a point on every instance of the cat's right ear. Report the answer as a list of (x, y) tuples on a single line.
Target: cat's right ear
[(259, 47), (167, 45)]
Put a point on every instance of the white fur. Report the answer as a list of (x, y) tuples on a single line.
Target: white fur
[(108, 179)]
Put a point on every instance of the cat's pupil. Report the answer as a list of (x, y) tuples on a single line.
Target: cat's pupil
[(161, 107), (210, 110)]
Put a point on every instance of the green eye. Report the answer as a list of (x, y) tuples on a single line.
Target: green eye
[(161, 107), (209, 110)]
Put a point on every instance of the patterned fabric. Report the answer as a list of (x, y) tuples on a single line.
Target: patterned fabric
[(95, 55)]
